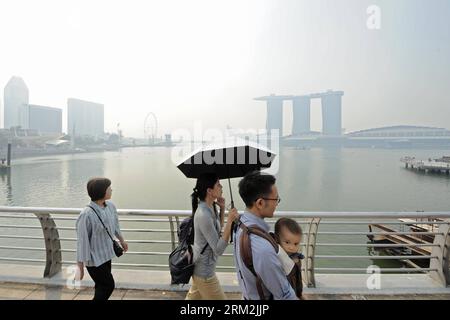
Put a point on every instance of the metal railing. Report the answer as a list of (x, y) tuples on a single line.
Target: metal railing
[(54, 221)]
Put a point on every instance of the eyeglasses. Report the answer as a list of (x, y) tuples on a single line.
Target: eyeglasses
[(278, 200)]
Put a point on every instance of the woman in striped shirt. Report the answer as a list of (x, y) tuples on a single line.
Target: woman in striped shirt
[(94, 246)]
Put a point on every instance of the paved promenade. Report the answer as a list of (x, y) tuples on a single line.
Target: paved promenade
[(24, 291), (27, 282)]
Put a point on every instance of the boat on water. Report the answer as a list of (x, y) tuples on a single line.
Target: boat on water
[(3, 165)]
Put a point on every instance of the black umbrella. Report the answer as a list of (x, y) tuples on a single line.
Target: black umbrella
[(231, 159)]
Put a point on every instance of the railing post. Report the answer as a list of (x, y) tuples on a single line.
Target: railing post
[(52, 245), (177, 220), (443, 255), (172, 232), (310, 253)]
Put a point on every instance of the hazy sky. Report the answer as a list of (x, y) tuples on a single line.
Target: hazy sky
[(206, 60)]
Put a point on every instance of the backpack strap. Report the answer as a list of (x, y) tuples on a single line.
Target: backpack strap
[(204, 248), (246, 251)]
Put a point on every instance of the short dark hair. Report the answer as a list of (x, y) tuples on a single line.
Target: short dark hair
[(255, 185), (96, 188), (289, 224)]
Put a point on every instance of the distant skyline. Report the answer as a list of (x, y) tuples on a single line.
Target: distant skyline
[(190, 61), (85, 118)]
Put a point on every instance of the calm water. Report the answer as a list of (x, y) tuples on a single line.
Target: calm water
[(308, 180)]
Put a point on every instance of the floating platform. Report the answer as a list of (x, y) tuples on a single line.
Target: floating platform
[(441, 165), (421, 236)]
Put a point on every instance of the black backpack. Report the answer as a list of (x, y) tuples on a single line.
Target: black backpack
[(186, 231), (181, 259)]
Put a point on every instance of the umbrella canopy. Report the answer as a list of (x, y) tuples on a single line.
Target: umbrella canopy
[(231, 159)]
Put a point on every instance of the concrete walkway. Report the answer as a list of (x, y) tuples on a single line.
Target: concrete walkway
[(23, 291), (27, 282)]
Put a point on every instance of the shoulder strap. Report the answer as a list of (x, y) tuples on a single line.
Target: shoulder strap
[(101, 222), (204, 248), (191, 227), (246, 251)]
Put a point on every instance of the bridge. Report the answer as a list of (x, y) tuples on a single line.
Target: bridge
[(38, 255)]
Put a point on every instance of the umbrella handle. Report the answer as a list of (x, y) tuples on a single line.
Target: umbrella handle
[(232, 207), (231, 193)]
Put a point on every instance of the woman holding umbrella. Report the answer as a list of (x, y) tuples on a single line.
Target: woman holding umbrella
[(209, 241)]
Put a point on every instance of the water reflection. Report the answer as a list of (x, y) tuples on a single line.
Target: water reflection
[(5, 176), (54, 182)]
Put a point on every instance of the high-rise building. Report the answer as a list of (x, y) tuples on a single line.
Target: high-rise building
[(16, 104), (332, 113), (45, 119), (274, 120), (84, 118), (301, 118), (301, 109)]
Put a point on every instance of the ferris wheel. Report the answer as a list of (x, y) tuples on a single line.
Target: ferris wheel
[(150, 127)]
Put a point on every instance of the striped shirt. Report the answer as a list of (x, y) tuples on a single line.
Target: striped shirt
[(94, 246), (207, 231)]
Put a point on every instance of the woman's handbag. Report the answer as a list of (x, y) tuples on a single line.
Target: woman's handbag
[(118, 250)]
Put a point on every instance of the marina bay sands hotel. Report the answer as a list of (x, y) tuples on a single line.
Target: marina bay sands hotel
[(301, 107), (397, 136)]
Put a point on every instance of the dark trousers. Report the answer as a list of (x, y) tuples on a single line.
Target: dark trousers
[(103, 279)]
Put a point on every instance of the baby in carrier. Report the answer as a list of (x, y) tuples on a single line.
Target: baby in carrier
[(288, 234)]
